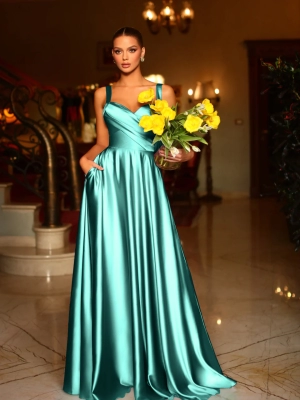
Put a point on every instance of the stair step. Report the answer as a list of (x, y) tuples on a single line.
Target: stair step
[(21, 206), (18, 219), (30, 261), (21, 234), (5, 189), (17, 241)]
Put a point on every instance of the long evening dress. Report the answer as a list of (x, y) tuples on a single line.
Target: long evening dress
[(135, 320)]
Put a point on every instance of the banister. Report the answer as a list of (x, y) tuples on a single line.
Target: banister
[(72, 159), (52, 209)]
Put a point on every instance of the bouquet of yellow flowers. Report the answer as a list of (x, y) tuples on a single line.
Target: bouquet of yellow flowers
[(177, 130)]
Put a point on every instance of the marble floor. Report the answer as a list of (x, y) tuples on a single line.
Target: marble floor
[(247, 278)]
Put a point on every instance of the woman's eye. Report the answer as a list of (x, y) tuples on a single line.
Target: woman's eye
[(132, 50), (117, 51)]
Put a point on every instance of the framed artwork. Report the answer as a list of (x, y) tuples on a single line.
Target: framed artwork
[(104, 56)]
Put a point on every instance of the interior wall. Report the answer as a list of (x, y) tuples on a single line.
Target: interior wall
[(55, 42)]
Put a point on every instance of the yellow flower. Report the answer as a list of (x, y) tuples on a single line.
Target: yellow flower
[(192, 123), (168, 113), (209, 108), (213, 120), (159, 105), (146, 96), (146, 123), (158, 124)]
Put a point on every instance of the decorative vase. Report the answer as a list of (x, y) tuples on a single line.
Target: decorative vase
[(163, 163)]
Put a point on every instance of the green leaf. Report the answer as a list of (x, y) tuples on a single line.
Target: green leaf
[(179, 131), (202, 140), (185, 146), (188, 138), (164, 141), (156, 139), (174, 124), (180, 116)]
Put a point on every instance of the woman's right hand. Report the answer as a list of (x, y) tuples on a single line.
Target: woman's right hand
[(86, 165)]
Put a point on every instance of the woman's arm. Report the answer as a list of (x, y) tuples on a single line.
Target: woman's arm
[(169, 95), (102, 141)]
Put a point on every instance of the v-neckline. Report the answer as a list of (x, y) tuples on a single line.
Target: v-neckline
[(126, 108)]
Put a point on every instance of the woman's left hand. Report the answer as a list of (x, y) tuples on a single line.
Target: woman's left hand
[(181, 156)]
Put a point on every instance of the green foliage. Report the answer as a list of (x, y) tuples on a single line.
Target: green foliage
[(176, 135), (283, 80)]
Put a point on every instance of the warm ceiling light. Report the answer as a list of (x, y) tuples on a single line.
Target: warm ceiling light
[(187, 11), (167, 17), (149, 14)]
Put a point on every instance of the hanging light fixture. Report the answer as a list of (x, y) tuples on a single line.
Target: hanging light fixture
[(167, 17)]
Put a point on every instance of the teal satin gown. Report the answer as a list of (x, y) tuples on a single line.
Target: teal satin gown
[(135, 320)]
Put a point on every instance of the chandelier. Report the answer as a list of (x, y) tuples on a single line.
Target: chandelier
[(167, 17)]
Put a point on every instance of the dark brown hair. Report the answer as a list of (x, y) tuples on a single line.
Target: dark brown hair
[(129, 31)]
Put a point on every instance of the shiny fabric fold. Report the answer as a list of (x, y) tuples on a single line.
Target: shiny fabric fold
[(135, 320)]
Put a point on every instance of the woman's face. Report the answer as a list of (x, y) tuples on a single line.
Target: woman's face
[(127, 53)]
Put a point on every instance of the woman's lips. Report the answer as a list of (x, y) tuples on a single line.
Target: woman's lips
[(125, 65)]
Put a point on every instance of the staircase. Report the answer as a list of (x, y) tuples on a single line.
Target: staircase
[(26, 247), (35, 229)]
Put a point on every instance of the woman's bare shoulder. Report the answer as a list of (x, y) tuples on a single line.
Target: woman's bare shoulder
[(167, 89), (100, 95), (168, 94)]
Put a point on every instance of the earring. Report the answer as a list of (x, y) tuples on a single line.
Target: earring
[(114, 61), (142, 59)]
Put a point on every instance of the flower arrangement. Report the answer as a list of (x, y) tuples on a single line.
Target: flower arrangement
[(177, 130)]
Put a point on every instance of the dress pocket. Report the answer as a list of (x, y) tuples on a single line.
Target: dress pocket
[(97, 161), (89, 172)]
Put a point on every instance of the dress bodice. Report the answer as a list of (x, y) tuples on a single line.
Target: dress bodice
[(123, 124)]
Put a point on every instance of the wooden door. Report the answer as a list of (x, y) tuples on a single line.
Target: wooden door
[(261, 107)]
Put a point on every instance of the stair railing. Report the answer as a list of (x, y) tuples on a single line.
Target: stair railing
[(19, 97), (72, 154), (17, 84)]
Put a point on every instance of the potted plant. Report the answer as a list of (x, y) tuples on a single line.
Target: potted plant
[(283, 82)]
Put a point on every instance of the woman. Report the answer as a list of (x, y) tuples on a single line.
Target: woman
[(134, 320)]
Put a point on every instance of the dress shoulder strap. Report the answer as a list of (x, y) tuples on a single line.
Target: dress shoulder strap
[(108, 93), (159, 91)]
